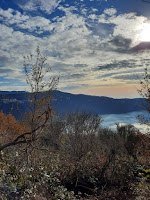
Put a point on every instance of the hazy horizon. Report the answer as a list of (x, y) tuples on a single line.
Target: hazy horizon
[(139, 96)]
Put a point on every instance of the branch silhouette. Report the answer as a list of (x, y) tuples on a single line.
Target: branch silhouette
[(21, 139)]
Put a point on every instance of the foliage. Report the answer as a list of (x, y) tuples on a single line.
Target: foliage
[(101, 167), (79, 134), (73, 158), (32, 181), (144, 91), (10, 128)]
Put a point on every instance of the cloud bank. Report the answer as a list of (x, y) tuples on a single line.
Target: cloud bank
[(85, 47)]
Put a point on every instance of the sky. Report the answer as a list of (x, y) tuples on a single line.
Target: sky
[(92, 45)]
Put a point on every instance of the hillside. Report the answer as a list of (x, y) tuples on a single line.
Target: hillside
[(17, 103)]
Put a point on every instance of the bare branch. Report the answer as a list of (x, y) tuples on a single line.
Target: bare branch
[(41, 87), (23, 136)]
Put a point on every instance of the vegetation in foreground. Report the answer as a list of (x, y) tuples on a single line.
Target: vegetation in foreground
[(52, 158), (77, 159)]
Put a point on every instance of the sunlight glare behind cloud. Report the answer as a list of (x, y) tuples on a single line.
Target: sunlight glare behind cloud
[(145, 33)]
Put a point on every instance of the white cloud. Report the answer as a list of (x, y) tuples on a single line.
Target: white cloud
[(15, 44), (93, 16), (126, 25), (11, 16), (47, 6), (75, 45), (6, 13), (94, 10), (37, 22), (18, 20), (110, 11)]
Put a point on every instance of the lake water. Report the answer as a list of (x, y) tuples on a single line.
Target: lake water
[(126, 118)]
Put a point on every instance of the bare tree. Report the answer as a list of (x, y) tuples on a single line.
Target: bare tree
[(81, 129), (42, 84)]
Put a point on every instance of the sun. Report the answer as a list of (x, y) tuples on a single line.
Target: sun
[(145, 33)]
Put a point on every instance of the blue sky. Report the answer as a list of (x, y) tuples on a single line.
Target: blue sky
[(87, 43)]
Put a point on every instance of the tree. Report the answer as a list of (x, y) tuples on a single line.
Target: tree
[(144, 91), (10, 127), (41, 84), (81, 129), (130, 139)]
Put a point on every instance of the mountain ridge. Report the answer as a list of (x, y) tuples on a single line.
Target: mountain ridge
[(17, 103)]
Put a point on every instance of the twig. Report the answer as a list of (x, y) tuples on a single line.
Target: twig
[(22, 136)]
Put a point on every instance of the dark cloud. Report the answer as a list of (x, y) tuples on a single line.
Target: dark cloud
[(77, 75), (60, 67), (3, 71), (102, 29), (6, 61), (119, 65), (72, 76), (106, 75), (3, 60), (141, 47), (117, 44), (121, 42), (80, 65), (127, 77)]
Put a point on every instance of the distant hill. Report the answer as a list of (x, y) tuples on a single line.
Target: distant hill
[(18, 104)]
